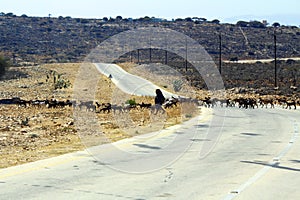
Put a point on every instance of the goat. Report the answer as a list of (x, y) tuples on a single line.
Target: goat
[(105, 107), (170, 103), (117, 108), (290, 103), (145, 105), (265, 102), (89, 105), (156, 108)]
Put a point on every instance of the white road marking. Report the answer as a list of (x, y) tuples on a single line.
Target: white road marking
[(266, 168)]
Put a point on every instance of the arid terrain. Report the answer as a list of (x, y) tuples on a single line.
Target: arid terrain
[(66, 39), (32, 132)]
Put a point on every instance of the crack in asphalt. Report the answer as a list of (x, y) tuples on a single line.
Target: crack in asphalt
[(169, 176)]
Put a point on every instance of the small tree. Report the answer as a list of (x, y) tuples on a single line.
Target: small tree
[(119, 18), (276, 24), (10, 14), (188, 19), (215, 21)]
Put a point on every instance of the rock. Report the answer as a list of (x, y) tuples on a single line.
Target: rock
[(34, 135), (23, 131), (23, 86), (6, 128)]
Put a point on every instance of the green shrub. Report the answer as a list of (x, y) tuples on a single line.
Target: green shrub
[(59, 82), (131, 102), (62, 83)]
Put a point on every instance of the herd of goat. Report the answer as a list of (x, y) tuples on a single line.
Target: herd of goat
[(246, 103), (89, 105), (95, 106)]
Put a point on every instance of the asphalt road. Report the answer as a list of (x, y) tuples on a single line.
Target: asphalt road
[(249, 154), (129, 83)]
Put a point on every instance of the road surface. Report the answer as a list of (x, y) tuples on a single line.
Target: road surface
[(129, 83), (256, 156)]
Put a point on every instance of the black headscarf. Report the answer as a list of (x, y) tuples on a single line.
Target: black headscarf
[(159, 99)]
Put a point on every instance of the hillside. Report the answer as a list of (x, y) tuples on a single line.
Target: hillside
[(66, 39), (36, 40)]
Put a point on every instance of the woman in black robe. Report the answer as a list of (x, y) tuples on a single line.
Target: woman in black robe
[(159, 98)]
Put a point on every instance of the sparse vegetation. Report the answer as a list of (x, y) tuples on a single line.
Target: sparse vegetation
[(69, 36), (30, 133)]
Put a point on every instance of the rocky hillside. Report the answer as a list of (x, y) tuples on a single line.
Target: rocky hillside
[(66, 39)]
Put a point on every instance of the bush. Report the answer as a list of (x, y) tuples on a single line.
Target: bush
[(3, 65), (131, 102), (242, 23), (177, 85), (256, 24), (60, 83)]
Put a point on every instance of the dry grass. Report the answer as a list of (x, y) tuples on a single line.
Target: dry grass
[(51, 132)]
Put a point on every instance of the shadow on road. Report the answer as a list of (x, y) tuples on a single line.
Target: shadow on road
[(274, 165), (146, 146), (251, 134)]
